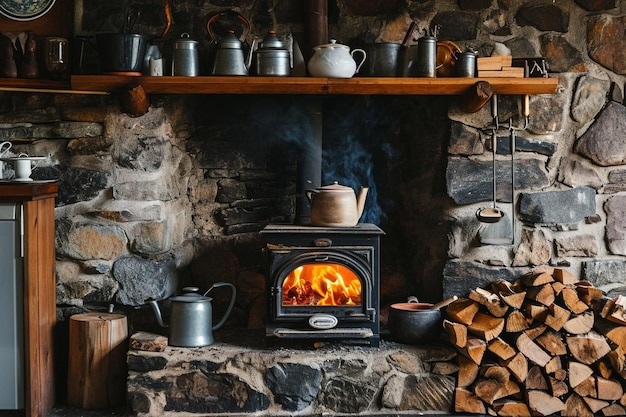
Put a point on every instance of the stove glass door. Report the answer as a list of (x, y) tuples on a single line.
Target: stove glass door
[(321, 284)]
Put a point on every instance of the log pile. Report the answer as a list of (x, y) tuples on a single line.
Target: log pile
[(545, 344)]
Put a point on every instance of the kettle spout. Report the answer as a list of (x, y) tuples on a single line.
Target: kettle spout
[(157, 311), (360, 200)]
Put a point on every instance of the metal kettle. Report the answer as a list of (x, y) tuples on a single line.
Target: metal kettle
[(272, 58), (228, 55), (191, 316)]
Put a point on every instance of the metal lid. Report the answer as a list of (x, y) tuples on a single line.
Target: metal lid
[(191, 296), (335, 187), (271, 41), (333, 45), (184, 42), (230, 41)]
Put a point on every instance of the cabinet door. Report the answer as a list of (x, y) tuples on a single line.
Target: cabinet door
[(11, 309)]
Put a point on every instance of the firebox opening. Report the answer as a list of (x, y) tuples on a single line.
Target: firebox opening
[(323, 284)]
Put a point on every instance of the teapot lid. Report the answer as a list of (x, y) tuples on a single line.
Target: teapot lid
[(190, 295), (333, 44), (335, 187), (185, 42), (230, 40), (271, 41)]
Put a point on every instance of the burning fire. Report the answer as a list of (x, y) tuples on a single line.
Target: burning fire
[(322, 284)]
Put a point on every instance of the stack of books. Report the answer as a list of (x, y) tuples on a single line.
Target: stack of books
[(498, 66)]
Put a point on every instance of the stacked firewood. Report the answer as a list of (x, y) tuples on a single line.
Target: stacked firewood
[(546, 344)]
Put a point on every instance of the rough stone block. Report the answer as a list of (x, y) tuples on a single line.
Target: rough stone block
[(558, 207)]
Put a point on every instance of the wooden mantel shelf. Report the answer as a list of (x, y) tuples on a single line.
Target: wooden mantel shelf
[(311, 85)]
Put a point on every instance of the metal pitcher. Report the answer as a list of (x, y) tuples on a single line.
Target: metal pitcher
[(191, 317)]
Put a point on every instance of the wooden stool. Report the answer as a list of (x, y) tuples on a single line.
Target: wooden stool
[(98, 343)]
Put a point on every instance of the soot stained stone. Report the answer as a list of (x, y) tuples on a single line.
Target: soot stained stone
[(456, 25), (294, 386), (85, 240), (562, 56), (456, 273), (464, 140), (606, 42), (238, 215), (432, 392), (347, 395), (558, 207), (474, 4), (545, 17), (199, 393), (600, 143), (525, 145), (139, 363), (89, 146), (139, 402), (140, 279), (604, 272), (143, 154), (471, 181), (75, 184)]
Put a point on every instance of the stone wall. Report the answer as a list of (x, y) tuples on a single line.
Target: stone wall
[(176, 196)]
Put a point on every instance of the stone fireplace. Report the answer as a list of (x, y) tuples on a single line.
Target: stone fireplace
[(179, 195)]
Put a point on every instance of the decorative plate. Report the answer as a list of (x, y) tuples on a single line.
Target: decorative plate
[(25, 9)]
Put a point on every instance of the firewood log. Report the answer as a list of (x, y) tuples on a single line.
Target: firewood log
[(535, 331), (488, 390), (518, 365), (580, 324), (462, 311), (587, 348), (501, 349), (618, 313), (516, 322), (616, 359), (557, 387), (536, 380), (490, 301), (511, 408), (564, 277), (486, 326), (603, 367), (552, 343), (555, 367), (474, 350), (614, 410), (578, 372), (466, 402), (609, 389), (594, 404), (603, 306), (543, 404), (587, 388), (536, 312), (531, 350), (534, 279), (457, 333), (543, 294), (572, 302), (557, 318), (560, 374), (468, 371), (575, 406), (588, 293), (614, 332)]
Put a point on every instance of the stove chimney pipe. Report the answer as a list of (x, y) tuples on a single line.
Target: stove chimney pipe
[(310, 161), (316, 25)]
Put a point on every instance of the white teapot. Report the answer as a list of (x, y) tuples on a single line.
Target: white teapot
[(334, 60)]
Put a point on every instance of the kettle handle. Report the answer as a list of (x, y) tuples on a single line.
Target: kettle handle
[(213, 19), (230, 305)]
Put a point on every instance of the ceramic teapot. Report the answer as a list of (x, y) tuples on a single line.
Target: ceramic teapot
[(335, 60), (191, 322), (336, 205)]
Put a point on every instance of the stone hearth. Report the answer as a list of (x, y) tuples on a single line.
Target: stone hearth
[(239, 375)]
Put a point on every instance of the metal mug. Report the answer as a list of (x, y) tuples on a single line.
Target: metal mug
[(185, 60), (466, 64), (427, 57)]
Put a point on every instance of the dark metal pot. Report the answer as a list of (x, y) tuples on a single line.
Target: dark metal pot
[(121, 52), (413, 322)]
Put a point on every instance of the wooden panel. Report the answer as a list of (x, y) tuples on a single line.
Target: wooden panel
[(13, 191), (312, 85), (39, 305)]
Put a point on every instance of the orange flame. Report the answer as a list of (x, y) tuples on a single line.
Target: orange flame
[(322, 284)]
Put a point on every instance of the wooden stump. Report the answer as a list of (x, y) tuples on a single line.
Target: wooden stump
[(97, 360)]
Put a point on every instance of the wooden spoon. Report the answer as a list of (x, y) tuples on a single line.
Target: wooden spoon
[(444, 303)]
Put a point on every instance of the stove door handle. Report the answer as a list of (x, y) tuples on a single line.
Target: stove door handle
[(321, 258)]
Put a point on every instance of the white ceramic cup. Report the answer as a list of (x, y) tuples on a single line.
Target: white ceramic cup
[(23, 168), (4, 148)]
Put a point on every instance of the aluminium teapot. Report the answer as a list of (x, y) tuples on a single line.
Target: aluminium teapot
[(191, 322), (334, 60), (229, 54), (336, 205)]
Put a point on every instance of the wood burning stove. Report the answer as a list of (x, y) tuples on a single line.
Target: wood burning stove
[(322, 282)]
